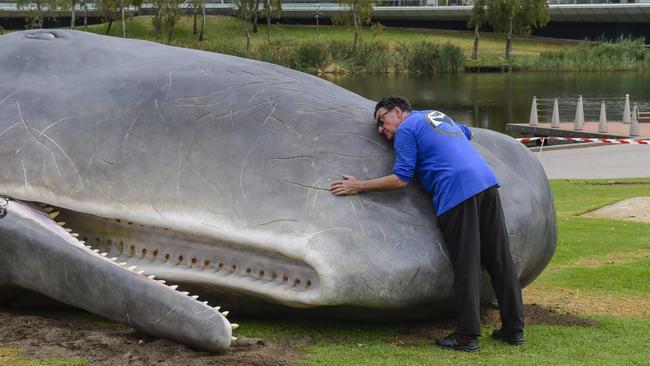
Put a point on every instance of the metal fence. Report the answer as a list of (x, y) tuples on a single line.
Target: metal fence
[(591, 107)]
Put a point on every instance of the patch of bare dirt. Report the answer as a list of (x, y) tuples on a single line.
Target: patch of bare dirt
[(611, 258), (632, 209), (533, 314), (574, 301), (45, 334)]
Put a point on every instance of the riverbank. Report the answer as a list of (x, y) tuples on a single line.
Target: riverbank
[(328, 49)]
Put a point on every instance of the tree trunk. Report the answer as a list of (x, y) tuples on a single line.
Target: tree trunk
[(257, 9), (356, 31), (72, 15), (110, 24), (248, 36), (40, 20), (509, 41), (475, 48), (202, 21), (171, 32), (158, 23), (85, 16), (268, 19), (123, 18), (196, 16)]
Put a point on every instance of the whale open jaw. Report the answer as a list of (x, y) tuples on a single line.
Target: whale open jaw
[(39, 253)]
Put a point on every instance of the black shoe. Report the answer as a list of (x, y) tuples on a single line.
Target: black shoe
[(516, 338), (459, 342)]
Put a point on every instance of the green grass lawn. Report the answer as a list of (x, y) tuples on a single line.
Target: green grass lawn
[(226, 33)]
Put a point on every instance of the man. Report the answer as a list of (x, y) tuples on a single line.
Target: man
[(468, 211)]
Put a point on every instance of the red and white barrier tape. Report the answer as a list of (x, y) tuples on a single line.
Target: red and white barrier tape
[(584, 139)]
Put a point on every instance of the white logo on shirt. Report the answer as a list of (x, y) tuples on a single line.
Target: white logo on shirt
[(436, 118)]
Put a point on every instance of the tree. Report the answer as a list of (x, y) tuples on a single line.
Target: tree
[(84, 5), (73, 14), (255, 15), (173, 14), (108, 9), (36, 10), (243, 10), (202, 20), (516, 16), (272, 7), (196, 5), (359, 12), (168, 14), (478, 17)]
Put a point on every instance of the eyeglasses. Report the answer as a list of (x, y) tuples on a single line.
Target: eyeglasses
[(380, 118)]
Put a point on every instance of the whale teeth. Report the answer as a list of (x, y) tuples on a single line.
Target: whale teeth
[(53, 215), (42, 204), (122, 264), (194, 297), (152, 277), (234, 326), (132, 268), (140, 272), (48, 209), (68, 230), (82, 242), (113, 259), (103, 254), (204, 302), (88, 246), (173, 287), (225, 313), (217, 308), (233, 339), (184, 293), (61, 223), (75, 235), (162, 281), (96, 250)]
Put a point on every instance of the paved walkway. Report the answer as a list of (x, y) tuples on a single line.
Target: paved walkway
[(606, 161)]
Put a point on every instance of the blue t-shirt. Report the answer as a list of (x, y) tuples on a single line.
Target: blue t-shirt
[(433, 145)]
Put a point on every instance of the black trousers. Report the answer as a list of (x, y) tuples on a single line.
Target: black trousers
[(476, 236)]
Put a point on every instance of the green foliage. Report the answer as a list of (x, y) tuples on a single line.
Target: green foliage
[(622, 54), (358, 13), (377, 29), (168, 15), (516, 17), (225, 36), (36, 8), (523, 14), (429, 57), (479, 13), (278, 52), (373, 57), (312, 55)]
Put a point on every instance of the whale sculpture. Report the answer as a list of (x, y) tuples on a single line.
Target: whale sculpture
[(132, 171)]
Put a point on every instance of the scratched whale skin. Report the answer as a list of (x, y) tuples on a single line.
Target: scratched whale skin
[(139, 176)]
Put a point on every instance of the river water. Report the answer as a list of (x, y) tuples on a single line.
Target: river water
[(491, 100)]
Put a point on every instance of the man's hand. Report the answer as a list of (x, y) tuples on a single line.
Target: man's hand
[(348, 186)]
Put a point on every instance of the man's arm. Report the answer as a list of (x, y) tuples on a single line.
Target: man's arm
[(351, 185), (468, 133)]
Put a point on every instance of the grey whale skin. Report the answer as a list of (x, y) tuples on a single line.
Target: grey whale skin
[(212, 172)]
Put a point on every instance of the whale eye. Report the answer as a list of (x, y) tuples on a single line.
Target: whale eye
[(41, 35)]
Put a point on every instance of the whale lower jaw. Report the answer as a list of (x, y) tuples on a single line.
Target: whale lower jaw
[(196, 260)]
